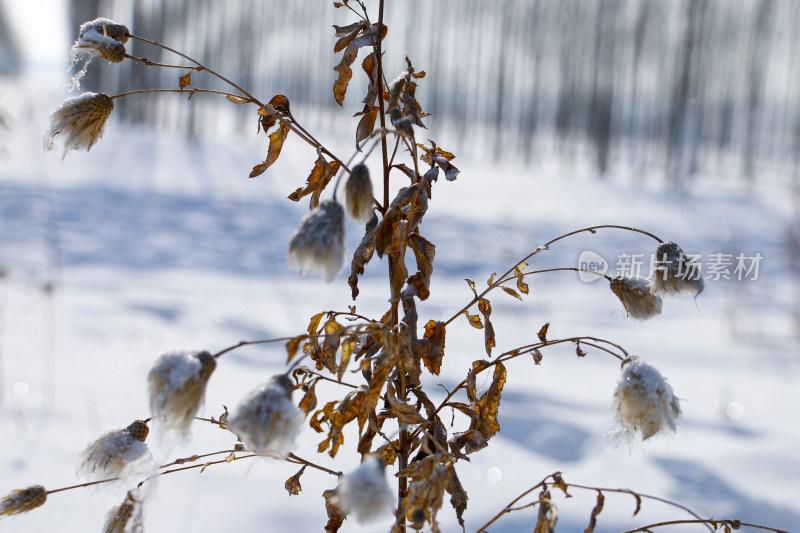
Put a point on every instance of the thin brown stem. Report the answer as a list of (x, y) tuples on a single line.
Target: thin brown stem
[(382, 108), (150, 63), (300, 461), (708, 522)]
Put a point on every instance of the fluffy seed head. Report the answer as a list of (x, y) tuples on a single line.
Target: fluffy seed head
[(675, 273), (636, 296), (80, 121), (177, 385), (358, 190), (318, 244), (117, 453), (22, 500), (106, 27), (267, 421), (365, 492), (644, 401), (128, 517)]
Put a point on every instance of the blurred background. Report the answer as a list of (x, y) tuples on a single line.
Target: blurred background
[(680, 117)]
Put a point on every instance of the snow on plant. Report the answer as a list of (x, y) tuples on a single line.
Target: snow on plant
[(267, 420), (378, 363), (643, 400), (118, 453), (177, 384), (79, 121)]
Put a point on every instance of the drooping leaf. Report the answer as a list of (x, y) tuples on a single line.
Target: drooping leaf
[(276, 140), (521, 285), (458, 497), (474, 320), (292, 484), (280, 103), (368, 37), (435, 334), (293, 345), (317, 180), (543, 332), (366, 125), (309, 401), (471, 285), (335, 515), (313, 325), (489, 403), (185, 80), (362, 256), (512, 292), (598, 508), (405, 412), (559, 483), (490, 281), (369, 65), (347, 350), (346, 34), (237, 99)]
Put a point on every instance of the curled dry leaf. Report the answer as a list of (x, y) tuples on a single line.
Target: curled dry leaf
[(435, 334), (369, 37), (292, 484)]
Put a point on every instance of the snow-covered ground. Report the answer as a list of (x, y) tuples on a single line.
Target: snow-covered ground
[(154, 243)]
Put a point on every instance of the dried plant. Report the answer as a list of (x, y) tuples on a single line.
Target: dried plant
[(398, 419)]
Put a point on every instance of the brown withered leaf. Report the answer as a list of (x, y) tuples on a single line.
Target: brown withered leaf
[(366, 125), (309, 401), (280, 103), (347, 350), (521, 285), (293, 345), (185, 80), (239, 100), (276, 140), (546, 521), (537, 357), (385, 231), (441, 158), (474, 320), (559, 483), (346, 34), (313, 324), (458, 497), (598, 508), (489, 402), (543, 332), (335, 515), (317, 180), (471, 285), (292, 484), (368, 37), (578, 350), (490, 281), (405, 412), (388, 452), (397, 277), (512, 292), (370, 69), (435, 334), (489, 339), (362, 255)]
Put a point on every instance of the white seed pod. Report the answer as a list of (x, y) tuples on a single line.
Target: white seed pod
[(22, 500), (177, 385), (80, 122), (127, 517), (358, 191), (644, 401), (365, 493), (267, 421), (637, 297), (120, 452), (105, 27), (318, 244), (675, 273)]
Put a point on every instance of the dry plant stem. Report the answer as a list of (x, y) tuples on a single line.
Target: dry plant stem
[(300, 461), (507, 275), (150, 63), (707, 522), (382, 109)]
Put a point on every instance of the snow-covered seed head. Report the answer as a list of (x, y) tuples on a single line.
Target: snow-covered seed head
[(106, 27), (644, 401), (79, 121), (637, 297), (675, 272), (117, 453), (128, 517), (318, 244), (177, 385), (102, 38), (358, 190), (22, 500), (267, 421), (365, 491)]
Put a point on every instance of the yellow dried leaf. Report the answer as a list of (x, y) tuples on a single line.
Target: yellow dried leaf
[(435, 334), (292, 484), (474, 320), (237, 99), (543, 332), (512, 292), (185, 80)]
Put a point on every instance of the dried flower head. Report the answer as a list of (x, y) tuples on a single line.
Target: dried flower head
[(637, 297), (675, 272), (318, 244), (117, 453), (81, 121), (22, 500), (643, 400), (358, 190), (267, 421), (102, 38), (365, 491), (128, 517), (177, 388)]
